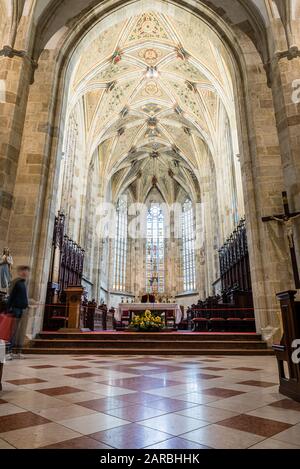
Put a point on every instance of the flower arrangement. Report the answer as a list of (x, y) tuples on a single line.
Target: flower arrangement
[(147, 322)]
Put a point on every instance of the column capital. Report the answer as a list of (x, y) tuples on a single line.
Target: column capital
[(289, 54), (10, 52)]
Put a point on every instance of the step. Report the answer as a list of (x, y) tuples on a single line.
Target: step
[(162, 336), (145, 343), (116, 351)]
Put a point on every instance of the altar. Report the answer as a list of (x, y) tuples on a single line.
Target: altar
[(153, 307)]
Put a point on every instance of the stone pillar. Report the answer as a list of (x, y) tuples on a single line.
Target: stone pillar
[(200, 251), (135, 257), (32, 218), (131, 261), (175, 257), (209, 210), (262, 177), (16, 72), (177, 267), (285, 82)]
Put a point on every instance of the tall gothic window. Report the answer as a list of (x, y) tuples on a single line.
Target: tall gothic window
[(155, 251), (188, 247), (121, 246), (69, 162)]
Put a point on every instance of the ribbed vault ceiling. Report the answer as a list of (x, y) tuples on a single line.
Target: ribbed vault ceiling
[(152, 87)]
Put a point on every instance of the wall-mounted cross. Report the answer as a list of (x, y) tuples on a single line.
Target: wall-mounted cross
[(287, 219)]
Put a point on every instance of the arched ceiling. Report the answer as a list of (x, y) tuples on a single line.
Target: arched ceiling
[(51, 15), (150, 86)]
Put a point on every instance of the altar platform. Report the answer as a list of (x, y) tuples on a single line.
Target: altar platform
[(145, 343)]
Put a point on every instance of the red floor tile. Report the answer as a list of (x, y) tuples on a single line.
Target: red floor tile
[(22, 382), (83, 442), (42, 367), (256, 425), (83, 359), (76, 367), (221, 392), (104, 404), (287, 404), (206, 376), (82, 375), (213, 368), (245, 368), (23, 420), (60, 391), (260, 384)]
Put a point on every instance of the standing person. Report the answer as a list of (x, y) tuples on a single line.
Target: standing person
[(17, 303), (6, 262)]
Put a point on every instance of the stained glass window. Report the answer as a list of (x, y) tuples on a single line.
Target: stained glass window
[(120, 257), (155, 251), (188, 247)]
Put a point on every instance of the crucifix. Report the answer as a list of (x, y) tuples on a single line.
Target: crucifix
[(287, 219)]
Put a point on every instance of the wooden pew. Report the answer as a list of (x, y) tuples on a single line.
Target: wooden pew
[(290, 376), (101, 317), (92, 316)]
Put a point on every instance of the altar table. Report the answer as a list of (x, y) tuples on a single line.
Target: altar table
[(141, 307)]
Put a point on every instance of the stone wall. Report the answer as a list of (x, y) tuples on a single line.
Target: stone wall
[(33, 123)]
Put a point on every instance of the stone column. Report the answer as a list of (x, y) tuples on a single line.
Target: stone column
[(209, 209), (200, 254), (16, 73), (32, 218), (285, 82), (176, 259), (262, 177)]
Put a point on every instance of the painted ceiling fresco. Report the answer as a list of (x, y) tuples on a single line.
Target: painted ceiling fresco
[(151, 86)]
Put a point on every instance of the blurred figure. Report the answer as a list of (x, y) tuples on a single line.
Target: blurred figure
[(17, 303), (6, 262), (2, 360)]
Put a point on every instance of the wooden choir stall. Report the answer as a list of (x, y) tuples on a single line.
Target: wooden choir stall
[(233, 311), (65, 278), (235, 268), (288, 351), (66, 307)]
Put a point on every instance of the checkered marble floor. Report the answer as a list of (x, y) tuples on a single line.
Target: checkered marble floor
[(146, 402)]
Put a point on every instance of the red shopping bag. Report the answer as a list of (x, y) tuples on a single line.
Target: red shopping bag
[(7, 324)]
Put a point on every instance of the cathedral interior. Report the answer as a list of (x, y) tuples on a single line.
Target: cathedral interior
[(149, 160), (151, 118)]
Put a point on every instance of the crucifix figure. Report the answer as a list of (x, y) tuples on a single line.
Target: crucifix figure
[(287, 219)]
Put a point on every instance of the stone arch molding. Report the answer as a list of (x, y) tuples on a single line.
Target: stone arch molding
[(62, 46)]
